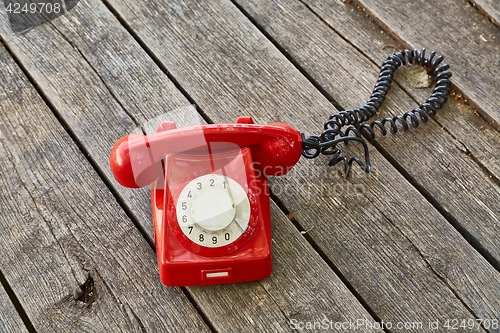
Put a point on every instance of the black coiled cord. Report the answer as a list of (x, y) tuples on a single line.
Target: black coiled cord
[(333, 134)]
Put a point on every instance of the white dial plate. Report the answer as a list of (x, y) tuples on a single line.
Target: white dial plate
[(213, 210)]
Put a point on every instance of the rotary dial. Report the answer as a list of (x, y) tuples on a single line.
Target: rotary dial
[(213, 210)]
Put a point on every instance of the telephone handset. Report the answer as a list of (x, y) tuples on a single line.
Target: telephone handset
[(210, 195)]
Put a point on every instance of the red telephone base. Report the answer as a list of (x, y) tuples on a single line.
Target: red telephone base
[(181, 262)]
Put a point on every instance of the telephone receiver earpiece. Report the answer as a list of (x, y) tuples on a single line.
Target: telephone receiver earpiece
[(135, 159)]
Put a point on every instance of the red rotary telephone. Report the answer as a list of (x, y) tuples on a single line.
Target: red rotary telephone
[(210, 195)]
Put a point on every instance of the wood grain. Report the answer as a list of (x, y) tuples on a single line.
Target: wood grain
[(69, 252), (473, 136), (10, 320), (88, 51), (228, 71), (301, 289), (301, 37), (462, 32), (443, 165), (458, 117), (489, 8)]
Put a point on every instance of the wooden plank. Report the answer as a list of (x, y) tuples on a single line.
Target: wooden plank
[(69, 252), (460, 31), (458, 117), (10, 320), (229, 68), (474, 206), (489, 8), (89, 51)]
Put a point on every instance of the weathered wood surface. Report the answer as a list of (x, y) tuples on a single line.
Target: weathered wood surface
[(443, 165), (489, 8), (394, 250), (69, 252), (301, 289), (458, 117), (261, 85), (461, 31), (10, 320), (127, 89)]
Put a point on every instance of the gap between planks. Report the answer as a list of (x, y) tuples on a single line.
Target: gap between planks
[(487, 9), (101, 174), (23, 317)]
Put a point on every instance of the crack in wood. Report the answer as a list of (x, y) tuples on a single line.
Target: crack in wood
[(440, 276)]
